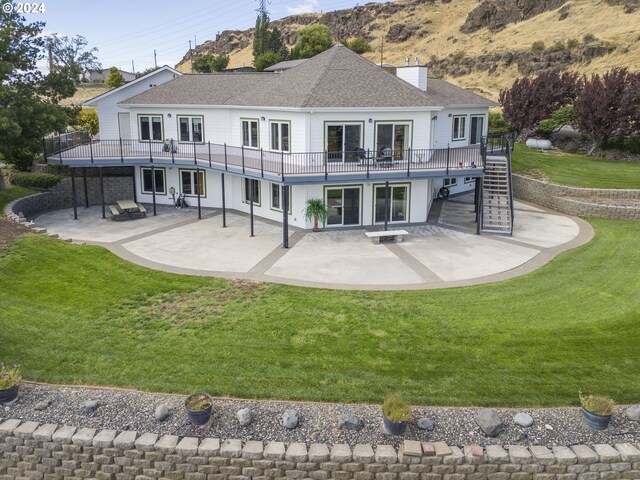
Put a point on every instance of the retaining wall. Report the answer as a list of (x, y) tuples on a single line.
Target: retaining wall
[(577, 201), (50, 452)]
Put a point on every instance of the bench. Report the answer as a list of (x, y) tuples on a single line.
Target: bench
[(116, 214), (387, 236), (141, 212)]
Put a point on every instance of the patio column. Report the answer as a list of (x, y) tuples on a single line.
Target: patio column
[(86, 191), (386, 206), (153, 188), (479, 209), (102, 192), (251, 204), (285, 216), (224, 208), (73, 193), (475, 197), (133, 182), (198, 188)]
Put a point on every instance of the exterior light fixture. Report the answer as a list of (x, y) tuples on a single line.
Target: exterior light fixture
[(371, 120), (169, 115), (262, 118), (450, 115)]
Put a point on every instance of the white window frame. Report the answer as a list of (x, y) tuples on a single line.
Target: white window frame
[(450, 182), (407, 186), (162, 184), (245, 192), (278, 124), (150, 117), (468, 180), (191, 130), (192, 178), (280, 197), (407, 140), (248, 122), (457, 135)]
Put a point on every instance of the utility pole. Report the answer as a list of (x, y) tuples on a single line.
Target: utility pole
[(381, 50), (155, 59), (191, 56), (262, 9), (133, 68), (195, 42)]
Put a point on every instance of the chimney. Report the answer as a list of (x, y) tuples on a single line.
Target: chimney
[(415, 74)]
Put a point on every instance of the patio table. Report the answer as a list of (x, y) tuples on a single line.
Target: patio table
[(128, 206)]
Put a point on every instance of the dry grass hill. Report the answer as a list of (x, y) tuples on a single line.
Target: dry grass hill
[(481, 45)]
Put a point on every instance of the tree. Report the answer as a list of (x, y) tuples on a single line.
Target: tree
[(558, 119), (219, 62), (208, 63), (266, 59), (73, 53), (599, 108), (629, 121), (312, 40), (87, 119), (28, 100), (268, 46), (146, 72), (359, 45), (115, 78)]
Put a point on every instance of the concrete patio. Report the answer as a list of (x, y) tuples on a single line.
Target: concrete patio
[(444, 253)]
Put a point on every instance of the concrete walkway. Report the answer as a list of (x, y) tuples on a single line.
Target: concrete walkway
[(444, 253)]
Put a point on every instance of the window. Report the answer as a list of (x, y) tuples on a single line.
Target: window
[(343, 205), (398, 203), (190, 181), (250, 133), (469, 179), (450, 182), (147, 180), (150, 127), (343, 142), (280, 136), (392, 136), (250, 185), (190, 129), (459, 127), (277, 196)]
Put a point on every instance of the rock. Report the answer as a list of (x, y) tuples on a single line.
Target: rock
[(43, 405), (425, 423), (245, 417), (633, 413), (523, 419), (350, 422), (489, 422), (290, 419), (161, 413), (90, 406)]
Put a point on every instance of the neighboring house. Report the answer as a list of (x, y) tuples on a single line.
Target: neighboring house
[(103, 75), (114, 119), (335, 126)]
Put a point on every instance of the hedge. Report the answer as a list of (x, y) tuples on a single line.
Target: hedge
[(34, 180)]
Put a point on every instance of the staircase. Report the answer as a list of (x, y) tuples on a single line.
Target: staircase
[(497, 195)]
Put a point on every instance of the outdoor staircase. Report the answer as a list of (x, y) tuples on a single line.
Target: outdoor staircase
[(497, 196)]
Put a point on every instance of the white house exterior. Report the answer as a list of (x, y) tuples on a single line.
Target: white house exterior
[(373, 146)]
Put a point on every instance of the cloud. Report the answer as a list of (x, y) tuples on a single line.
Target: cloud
[(308, 6)]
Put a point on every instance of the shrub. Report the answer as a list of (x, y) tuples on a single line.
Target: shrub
[(558, 119), (458, 55), (198, 402), (396, 408), (557, 46), (572, 43), (358, 45), (87, 119), (9, 377), (33, 180), (597, 404), (497, 123), (538, 46), (588, 38)]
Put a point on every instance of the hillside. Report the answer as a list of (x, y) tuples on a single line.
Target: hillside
[(481, 45)]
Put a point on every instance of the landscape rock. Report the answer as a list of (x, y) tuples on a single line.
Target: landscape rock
[(633, 413), (523, 419), (90, 406), (425, 423), (489, 422), (161, 413), (350, 422), (290, 419), (42, 405), (244, 416)]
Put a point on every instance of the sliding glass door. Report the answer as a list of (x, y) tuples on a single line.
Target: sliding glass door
[(343, 206), (477, 127), (398, 204), (343, 141)]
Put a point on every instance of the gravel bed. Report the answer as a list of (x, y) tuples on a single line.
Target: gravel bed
[(133, 410)]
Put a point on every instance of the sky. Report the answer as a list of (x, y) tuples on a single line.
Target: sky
[(126, 30)]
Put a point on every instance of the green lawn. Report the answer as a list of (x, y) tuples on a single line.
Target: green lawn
[(11, 193), (576, 170), (78, 314)]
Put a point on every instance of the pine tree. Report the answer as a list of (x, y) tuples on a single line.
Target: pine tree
[(115, 78)]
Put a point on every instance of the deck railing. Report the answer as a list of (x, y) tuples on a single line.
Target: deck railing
[(221, 156)]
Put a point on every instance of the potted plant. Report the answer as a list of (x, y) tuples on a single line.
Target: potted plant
[(9, 383), (316, 210), (198, 407), (597, 410), (396, 413)]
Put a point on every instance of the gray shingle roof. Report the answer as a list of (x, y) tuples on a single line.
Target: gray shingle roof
[(336, 78), (285, 65)]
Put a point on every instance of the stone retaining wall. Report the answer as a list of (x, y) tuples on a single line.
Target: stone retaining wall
[(50, 452), (577, 201)]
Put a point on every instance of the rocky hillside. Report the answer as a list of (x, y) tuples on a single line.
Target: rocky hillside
[(482, 44)]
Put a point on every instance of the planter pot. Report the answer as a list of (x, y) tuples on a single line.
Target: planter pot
[(597, 422), (198, 416), (394, 428), (9, 394), (540, 143)]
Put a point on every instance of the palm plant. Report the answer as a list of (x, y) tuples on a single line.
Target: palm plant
[(316, 210)]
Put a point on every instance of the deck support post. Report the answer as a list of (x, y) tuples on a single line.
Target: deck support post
[(261, 163), (448, 153), (133, 182), (285, 216), (121, 152), (242, 149), (475, 197), (224, 204), (479, 206), (251, 204), (102, 191), (198, 188), (153, 187), (209, 143), (86, 191), (73, 193), (386, 206)]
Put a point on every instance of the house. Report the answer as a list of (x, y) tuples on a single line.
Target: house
[(376, 147), (103, 74)]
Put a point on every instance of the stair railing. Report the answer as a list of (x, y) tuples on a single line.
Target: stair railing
[(510, 182)]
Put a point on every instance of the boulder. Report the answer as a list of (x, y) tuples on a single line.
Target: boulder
[(633, 413), (425, 423), (43, 405), (489, 422), (523, 419), (90, 406), (245, 417), (161, 413), (350, 422), (290, 419)]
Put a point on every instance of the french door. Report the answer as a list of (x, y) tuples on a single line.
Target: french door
[(343, 141), (343, 206)]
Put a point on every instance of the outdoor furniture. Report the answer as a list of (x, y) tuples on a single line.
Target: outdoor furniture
[(116, 213), (128, 208), (387, 236)]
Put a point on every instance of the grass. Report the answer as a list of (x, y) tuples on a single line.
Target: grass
[(78, 314), (576, 170), (10, 193)]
